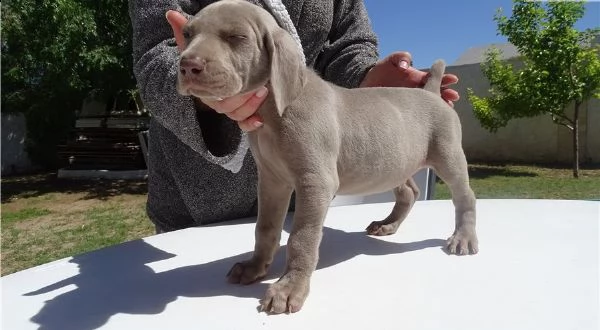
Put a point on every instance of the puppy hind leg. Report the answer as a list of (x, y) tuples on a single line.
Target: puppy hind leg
[(451, 167), (406, 195)]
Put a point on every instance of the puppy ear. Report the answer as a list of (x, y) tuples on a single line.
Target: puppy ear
[(287, 68)]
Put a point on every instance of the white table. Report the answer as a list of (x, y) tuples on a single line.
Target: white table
[(537, 269)]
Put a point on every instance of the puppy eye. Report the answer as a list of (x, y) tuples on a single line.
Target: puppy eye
[(237, 37), (187, 34)]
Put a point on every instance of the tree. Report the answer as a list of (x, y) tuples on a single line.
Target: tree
[(560, 67), (54, 53)]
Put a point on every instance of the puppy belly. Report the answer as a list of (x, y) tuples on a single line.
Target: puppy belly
[(373, 184)]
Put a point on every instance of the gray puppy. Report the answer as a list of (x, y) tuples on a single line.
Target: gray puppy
[(320, 140)]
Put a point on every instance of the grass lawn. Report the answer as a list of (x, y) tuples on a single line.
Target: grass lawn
[(520, 181), (44, 218)]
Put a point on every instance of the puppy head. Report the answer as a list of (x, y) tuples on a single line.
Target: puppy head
[(234, 47)]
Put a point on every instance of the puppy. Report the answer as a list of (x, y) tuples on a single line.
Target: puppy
[(320, 140)]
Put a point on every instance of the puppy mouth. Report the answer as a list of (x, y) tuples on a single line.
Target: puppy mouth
[(207, 86), (211, 90), (207, 94), (203, 89)]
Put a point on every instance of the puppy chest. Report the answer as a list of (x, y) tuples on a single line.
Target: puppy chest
[(268, 151)]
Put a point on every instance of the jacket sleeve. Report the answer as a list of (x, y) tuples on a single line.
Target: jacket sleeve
[(155, 58), (352, 45)]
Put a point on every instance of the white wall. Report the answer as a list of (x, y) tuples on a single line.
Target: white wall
[(535, 139)]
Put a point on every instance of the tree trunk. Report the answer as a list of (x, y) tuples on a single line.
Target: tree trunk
[(576, 140)]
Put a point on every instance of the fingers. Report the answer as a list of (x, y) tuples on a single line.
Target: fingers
[(402, 60), (242, 108), (449, 79), (177, 21), (246, 116), (229, 104), (450, 95), (253, 122), (249, 107), (236, 106)]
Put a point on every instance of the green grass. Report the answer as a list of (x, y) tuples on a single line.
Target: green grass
[(44, 219), (23, 214), (32, 241), (519, 181)]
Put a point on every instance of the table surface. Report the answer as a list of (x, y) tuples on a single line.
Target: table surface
[(538, 268)]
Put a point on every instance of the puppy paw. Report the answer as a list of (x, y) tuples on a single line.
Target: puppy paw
[(247, 272), (462, 243), (382, 228), (287, 295)]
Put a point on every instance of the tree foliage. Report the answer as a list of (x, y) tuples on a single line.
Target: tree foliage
[(560, 66), (54, 53)]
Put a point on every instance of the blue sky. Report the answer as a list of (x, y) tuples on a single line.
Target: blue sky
[(432, 29)]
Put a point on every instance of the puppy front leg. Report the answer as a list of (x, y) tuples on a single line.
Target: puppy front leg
[(290, 291), (273, 201)]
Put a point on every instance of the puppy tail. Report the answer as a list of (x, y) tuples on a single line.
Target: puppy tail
[(434, 80)]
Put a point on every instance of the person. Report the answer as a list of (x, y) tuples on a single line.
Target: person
[(199, 168)]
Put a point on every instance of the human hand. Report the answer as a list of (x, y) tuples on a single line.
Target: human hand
[(241, 108), (396, 71)]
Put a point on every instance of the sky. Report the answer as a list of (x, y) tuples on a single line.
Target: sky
[(432, 29)]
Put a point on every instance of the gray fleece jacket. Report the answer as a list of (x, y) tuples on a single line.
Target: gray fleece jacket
[(200, 170)]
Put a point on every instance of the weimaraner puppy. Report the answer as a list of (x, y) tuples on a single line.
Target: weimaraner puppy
[(320, 140)]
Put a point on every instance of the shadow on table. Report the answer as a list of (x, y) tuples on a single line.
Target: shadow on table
[(116, 280)]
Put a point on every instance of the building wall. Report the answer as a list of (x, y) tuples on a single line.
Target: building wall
[(535, 139), (592, 134)]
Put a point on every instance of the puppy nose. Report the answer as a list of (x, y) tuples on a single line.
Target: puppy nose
[(191, 66)]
